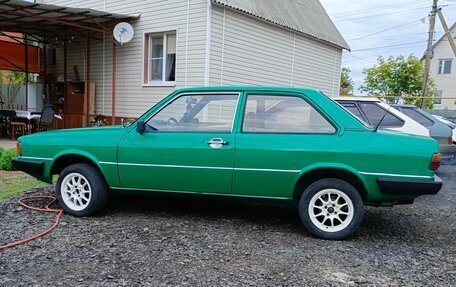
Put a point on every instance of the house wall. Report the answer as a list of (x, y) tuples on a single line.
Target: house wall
[(248, 51), (445, 83), (244, 51), (132, 97)]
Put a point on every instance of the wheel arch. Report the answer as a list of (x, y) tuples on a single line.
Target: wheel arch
[(311, 175), (69, 157)]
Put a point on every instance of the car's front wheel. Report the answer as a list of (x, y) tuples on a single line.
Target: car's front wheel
[(81, 190), (331, 209)]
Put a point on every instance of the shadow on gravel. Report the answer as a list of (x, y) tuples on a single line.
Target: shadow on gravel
[(378, 222), (256, 213)]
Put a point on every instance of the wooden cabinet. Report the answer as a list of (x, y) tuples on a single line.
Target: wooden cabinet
[(72, 102)]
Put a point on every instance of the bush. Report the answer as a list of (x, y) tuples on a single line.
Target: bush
[(1, 151), (6, 159)]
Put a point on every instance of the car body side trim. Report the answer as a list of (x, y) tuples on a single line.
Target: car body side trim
[(37, 158), (395, 175), (205, 167), (198, 193)]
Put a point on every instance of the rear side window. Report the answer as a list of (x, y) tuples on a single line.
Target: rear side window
[(375, 113), (414, 114), (283, 114), (352, 108)]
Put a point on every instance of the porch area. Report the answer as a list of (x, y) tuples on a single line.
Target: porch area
[(42, 89)]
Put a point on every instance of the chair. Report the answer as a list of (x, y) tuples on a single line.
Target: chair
[(14, 125), (47, 118)]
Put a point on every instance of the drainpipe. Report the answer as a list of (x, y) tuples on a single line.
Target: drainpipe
[(208, 42)]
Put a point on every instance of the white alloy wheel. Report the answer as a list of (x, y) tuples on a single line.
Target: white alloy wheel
[(76, 191), (331, 210)]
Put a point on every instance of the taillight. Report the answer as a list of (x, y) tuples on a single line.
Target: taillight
[(19, 150), (435, 161)]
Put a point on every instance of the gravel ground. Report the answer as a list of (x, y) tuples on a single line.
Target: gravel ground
[(150, 241)]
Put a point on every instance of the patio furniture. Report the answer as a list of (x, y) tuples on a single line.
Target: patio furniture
[(14, 125), (46, 119)]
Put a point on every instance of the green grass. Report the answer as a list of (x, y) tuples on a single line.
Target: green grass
[(14, 183)]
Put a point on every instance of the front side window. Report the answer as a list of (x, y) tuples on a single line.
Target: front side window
[(160, 51), (415, 115), (283, 114), (196, 113), (375, 113), (445, 66)]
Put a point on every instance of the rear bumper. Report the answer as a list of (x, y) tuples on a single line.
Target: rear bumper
[(448, 149), (34, 168), (409, 187)]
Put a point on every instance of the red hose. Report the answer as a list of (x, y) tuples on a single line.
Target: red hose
[(45, 209)]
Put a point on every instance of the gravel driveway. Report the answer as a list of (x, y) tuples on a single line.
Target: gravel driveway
[(158, 242)]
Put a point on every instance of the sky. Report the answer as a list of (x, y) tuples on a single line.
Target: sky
[(363, 24)]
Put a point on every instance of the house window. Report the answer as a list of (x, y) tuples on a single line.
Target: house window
[(445, 66), (438, 99), (160, 58)]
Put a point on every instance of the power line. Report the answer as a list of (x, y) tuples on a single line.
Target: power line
[(354, 12), (389, 46), (382, 31), (375, 15)]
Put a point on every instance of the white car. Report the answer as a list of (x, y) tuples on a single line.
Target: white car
[(449, 123), (372, 111)]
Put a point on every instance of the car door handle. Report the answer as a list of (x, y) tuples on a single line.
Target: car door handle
[(217, 143)]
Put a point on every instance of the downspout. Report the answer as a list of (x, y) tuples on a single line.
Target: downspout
[(186, 43), (104, 67), (208, 42)]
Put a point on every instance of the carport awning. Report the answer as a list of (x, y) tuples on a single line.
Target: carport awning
[(36, 19)]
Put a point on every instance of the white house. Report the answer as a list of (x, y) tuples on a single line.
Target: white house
[(443, 71), (184, 43)]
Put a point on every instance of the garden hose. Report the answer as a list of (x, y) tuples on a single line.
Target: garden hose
[(44, 209)]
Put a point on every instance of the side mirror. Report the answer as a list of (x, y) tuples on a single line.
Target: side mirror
[(141, 127)]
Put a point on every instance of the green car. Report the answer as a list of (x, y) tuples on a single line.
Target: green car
[(284, 145)]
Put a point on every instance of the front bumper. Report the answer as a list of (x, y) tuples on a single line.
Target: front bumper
[(34, 168), (409, 187)]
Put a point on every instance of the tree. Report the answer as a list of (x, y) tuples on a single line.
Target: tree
[(14, 81), (395, 77), (346, 82)]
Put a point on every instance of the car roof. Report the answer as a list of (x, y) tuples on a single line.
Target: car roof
[(249, 88), (358, 99), (404, 106)]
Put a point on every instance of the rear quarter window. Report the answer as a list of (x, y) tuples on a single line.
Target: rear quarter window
[(414, 114), (375, 113)]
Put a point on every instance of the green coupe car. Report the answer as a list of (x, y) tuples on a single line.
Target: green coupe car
[(284, 145)]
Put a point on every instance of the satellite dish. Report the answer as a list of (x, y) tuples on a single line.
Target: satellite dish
[(123, 32)]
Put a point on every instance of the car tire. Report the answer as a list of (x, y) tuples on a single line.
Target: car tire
[(331, 209), (81, 190)]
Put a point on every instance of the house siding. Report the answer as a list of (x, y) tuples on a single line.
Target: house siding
[(447, 82), (132, 98), (248, 51)]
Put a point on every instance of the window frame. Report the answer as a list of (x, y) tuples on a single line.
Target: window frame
[(303, 97), (386, 111), (441, 66), (147, 54), (233, 124)]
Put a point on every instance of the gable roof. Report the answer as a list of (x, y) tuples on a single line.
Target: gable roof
[(304, 16), (441, 39), (444, 35)]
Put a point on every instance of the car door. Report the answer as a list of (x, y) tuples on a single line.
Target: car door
[(187, 146), (279, 136)]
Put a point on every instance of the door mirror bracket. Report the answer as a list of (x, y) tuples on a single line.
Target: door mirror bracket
[(141, 127)]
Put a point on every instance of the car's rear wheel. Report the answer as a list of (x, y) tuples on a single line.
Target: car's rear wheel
[(81, 190), (331, 209)]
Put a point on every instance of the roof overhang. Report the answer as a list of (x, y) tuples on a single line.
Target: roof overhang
[(52, 20)]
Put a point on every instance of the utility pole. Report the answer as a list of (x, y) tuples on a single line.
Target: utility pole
[(447, 31), (429, 52)]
